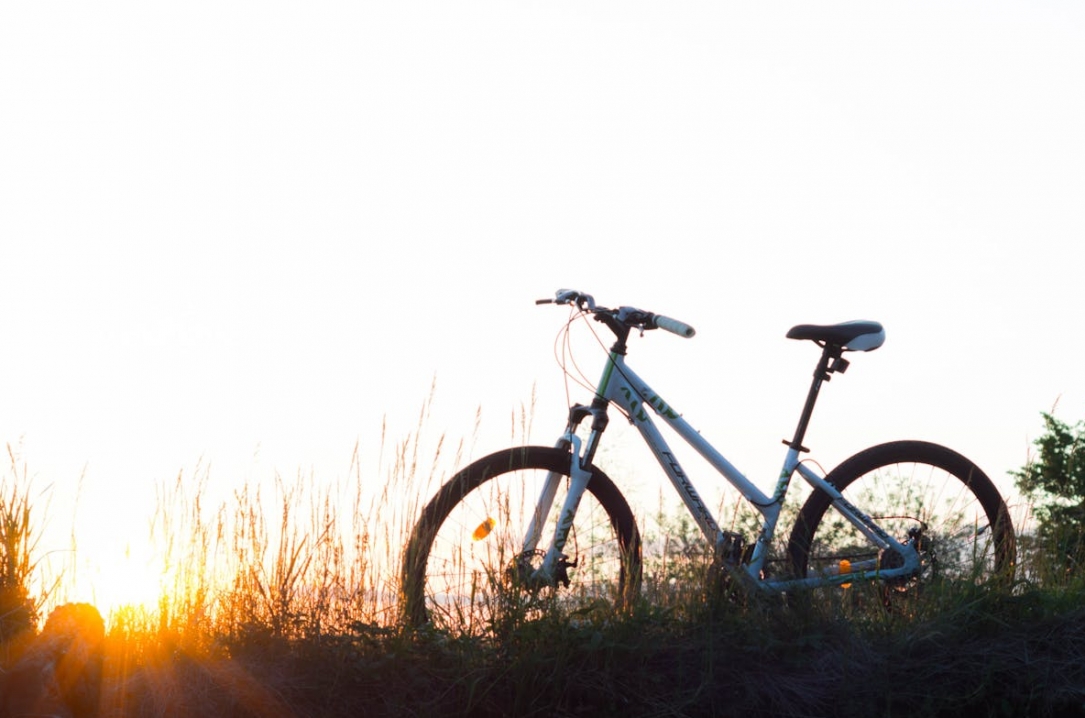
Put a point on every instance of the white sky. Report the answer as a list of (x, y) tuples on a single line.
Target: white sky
[(242, 234)]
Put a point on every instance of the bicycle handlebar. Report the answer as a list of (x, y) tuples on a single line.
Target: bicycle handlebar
[(674, 326), (626, 316)]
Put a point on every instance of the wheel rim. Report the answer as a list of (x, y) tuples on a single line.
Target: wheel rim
[(471, 582), (929, 509)]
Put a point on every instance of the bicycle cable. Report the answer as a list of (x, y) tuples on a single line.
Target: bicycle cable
[(563, 355), (583, 379), (566, 357)]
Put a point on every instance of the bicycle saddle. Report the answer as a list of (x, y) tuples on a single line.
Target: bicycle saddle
[(850, 336)]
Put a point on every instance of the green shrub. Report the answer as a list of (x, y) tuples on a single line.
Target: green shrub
[(1055, 480)]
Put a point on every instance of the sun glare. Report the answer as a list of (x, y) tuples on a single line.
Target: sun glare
[(119, 577)]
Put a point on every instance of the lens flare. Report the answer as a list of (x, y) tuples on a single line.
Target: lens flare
[(483, 529)]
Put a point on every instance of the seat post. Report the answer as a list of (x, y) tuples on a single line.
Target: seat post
[(830, 353)]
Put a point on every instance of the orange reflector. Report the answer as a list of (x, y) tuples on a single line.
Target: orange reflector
[(845, 567), (483, 529)]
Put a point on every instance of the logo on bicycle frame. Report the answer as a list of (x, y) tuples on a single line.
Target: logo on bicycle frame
[(655, 402)]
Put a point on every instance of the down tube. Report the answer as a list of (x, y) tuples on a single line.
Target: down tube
[(622, 392)]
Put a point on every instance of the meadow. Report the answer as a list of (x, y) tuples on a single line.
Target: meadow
[(283, 602)]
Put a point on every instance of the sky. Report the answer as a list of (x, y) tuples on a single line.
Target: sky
[(238, 239)]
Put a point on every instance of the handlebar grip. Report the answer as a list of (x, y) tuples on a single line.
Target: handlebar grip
[(674, 326)]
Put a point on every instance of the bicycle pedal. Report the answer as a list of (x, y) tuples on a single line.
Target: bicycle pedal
[(561, 573)]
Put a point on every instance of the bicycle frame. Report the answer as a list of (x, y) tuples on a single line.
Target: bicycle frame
[(622, 386)]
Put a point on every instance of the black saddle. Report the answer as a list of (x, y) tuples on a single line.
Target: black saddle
[(849, 336)]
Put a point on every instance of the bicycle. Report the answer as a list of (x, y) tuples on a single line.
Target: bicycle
[(491, 534)]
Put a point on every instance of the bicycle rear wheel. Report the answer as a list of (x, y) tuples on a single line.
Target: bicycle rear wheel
[(464, 566), (926, 496)]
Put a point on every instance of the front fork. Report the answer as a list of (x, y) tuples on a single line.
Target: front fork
[(555, 563)]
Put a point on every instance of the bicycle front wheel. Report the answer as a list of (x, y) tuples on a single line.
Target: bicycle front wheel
[(465, 568), (930, 498)]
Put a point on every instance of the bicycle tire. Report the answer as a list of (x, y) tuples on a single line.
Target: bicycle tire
[(455, 581), (968, 534)]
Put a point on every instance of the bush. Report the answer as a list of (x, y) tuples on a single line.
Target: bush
[(1055, 480)]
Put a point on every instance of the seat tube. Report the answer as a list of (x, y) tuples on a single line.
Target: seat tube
[(821, 374)]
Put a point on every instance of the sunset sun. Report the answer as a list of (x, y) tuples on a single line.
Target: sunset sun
[(114, 576)]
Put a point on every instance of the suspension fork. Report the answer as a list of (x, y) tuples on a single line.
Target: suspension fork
[(580, 461)]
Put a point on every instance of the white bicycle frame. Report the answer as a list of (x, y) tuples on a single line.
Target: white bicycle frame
[(623, 387)]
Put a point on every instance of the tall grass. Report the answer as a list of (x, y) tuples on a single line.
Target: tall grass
[(296, 560), (19, 536), (281, 601)]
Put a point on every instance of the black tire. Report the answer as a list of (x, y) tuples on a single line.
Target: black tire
[(460, 583), (966, 534)]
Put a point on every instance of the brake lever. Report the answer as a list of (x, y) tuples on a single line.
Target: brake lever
[(571, 296)]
